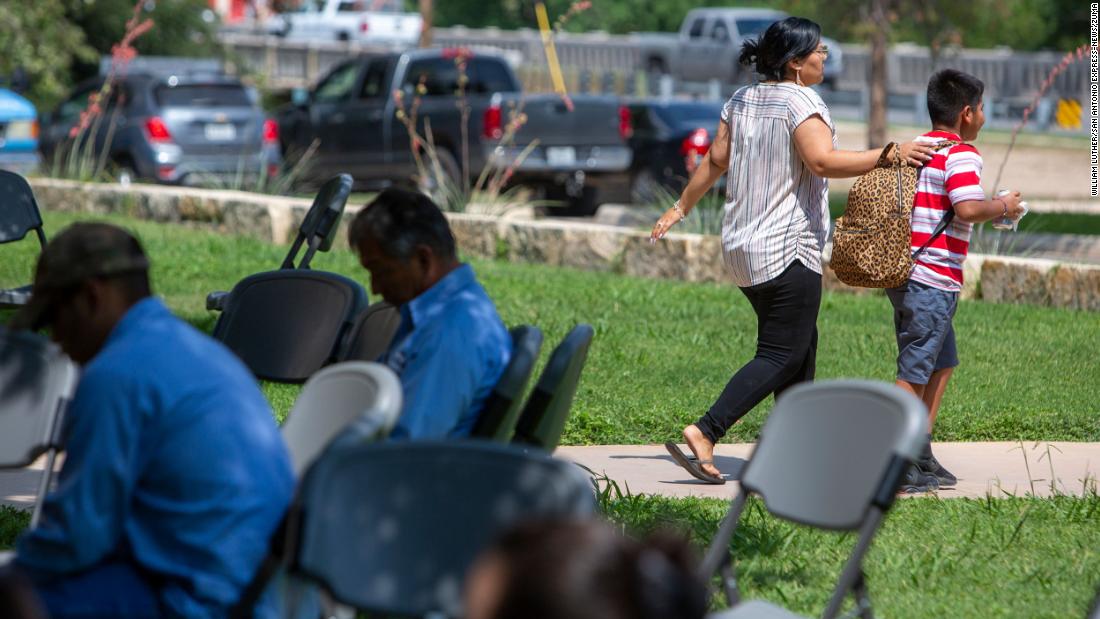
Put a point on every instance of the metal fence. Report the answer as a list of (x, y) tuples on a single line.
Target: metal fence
[(612, 64)]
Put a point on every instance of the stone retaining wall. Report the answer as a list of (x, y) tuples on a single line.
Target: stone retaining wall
[(685, 257)]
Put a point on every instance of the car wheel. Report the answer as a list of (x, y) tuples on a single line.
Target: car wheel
[(125, 173), (656, 65), (645, 189), (343, 36)]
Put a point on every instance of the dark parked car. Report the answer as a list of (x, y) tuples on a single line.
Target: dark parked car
[(172, 128), (670, 138), (576, 153)]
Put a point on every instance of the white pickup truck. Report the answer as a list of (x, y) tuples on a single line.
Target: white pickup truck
[(378, 22), (709, 44)]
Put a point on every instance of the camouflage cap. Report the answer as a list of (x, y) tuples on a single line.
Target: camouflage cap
[(78, 253)]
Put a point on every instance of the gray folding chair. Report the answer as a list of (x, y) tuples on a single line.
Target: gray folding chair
[(287, 324), (831, 455), (371, 332), (543, 418), (392, 528), (18, 215), (317, 232), (361, 392), (37, 382), (497, 421)]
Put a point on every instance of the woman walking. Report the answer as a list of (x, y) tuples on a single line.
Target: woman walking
[(777, 146)]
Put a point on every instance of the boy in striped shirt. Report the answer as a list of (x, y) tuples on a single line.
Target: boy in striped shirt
[(925, 305)]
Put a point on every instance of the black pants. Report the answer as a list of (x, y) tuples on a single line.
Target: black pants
[(786, 346)]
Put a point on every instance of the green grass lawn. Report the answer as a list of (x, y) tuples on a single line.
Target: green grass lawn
[(664, 350), (933, 558)]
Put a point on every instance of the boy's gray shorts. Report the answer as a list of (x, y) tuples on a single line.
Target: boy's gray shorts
[(922, 323)]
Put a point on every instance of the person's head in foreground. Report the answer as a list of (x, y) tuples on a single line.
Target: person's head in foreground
[(86, 279), (955, 103), (584, 569), (790, 49), (404, 242)]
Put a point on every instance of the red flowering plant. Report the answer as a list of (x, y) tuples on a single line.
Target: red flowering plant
[(80, 153)]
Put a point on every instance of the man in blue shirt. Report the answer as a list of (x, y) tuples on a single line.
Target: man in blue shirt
[(175, 474), (451, 347)]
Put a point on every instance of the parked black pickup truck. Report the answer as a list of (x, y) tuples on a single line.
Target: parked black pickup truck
[(581, 154)]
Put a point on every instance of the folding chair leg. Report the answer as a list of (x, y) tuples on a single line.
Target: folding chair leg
[(729, 584), (853, 569), (43, 486), (717, 558), (863, 598)]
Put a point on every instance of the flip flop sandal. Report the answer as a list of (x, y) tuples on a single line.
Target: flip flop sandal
[(693, 465)]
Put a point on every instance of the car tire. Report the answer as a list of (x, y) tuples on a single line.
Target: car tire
[(125, 173), (645, 189), (656, 65), (445, 188)]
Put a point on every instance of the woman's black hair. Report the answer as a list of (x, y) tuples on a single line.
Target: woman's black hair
[(589, 570), (783, 41)]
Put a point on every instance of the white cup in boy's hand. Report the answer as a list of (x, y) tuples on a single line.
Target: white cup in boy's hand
[(1015, 209)]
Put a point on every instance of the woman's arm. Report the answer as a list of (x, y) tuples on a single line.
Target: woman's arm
[(710, 169), (814, 142)]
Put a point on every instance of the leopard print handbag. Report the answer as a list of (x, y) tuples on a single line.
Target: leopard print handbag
[(872, 241)]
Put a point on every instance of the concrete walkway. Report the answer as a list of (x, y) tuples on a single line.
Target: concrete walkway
[(999, 469)]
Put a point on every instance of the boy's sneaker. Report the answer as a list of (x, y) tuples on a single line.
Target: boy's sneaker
[(916, 482), (929, 465)]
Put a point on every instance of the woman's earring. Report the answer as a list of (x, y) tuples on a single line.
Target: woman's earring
[(798, 77)]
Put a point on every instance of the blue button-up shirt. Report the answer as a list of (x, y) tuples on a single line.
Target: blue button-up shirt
[(449, 350), (173, 462)]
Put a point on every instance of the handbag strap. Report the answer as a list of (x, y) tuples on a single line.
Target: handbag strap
[(947, 217)]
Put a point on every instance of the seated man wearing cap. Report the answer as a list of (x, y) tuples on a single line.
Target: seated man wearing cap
[(175, 474), (450, 348)]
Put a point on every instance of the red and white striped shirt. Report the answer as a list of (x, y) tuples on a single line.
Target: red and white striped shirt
[(952, 176)]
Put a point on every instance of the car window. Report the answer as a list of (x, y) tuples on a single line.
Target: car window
[(697, 28), (70, 109), (489, 76), (720, 33), (351, 6), (753, 27), (374, 82), (439, 76), (338, 85), (202, 95), (307, 6)]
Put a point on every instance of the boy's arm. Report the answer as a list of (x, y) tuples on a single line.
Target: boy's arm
[(962, 182)]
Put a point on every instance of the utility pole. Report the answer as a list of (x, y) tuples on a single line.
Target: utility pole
[(426, 14)]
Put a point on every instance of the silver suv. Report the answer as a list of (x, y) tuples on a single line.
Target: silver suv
[(195, 129)]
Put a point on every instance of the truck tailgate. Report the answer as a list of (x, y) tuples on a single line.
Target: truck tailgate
[(586, 138)]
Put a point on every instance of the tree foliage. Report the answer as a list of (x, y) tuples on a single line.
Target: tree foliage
[(37, 39)]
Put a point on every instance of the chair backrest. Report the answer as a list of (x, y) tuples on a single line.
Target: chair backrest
[(371, 332), (393, 527), (36, 383), (825, 448), (18, 209), (333, 398), (497, 421), (319, 226), (285, 325), (547, 409)]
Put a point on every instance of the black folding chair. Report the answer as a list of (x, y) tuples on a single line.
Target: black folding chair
[(392, 528), (371, 332), (18, 215), (497, 421), (831, 455), (548, 406), (287, 324), (317, 232)]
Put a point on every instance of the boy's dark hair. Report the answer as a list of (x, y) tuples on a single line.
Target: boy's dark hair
[(949, 91), (400, 220), (585, 569), (783, 41)]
